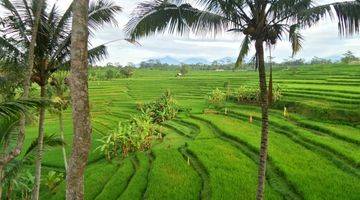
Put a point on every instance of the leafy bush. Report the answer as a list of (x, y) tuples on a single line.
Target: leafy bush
[(53, 179), (217, 98), (277, 93), (105, 73), (110, 74), (247, 94), (127, 71), (138, 133), (130, 136), (184, 70), (164, 108), (18, 182)]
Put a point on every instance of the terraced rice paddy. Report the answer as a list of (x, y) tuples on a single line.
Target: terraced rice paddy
[(313, 154)]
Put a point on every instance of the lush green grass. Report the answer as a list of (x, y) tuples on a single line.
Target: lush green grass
[(310, 172), (313, 154), (178, 180), (138, 183), (118, 182)]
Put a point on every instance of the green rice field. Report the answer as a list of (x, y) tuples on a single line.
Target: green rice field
[(314, 153)]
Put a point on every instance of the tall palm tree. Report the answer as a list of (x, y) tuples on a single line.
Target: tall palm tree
[(52, 49), (30, 64), (260, 21)]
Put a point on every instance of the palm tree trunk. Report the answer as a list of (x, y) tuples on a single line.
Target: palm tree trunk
[(256, 62), (36, 188), (265, 121), (80, 99), (1, 179), (26, 84), (270, 99), (61, 123)]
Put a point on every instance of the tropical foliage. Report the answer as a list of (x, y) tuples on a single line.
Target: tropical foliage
[(162, 109), (16, 179), (130, 136), (217, 98)]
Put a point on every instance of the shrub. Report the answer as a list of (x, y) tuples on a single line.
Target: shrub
[(138, 133), (277, 93), (110, 74), (162, 109), (184, 70), (217, 98), (53, 179), (247, 94), (127, 71), (130, 136), (21, 184)]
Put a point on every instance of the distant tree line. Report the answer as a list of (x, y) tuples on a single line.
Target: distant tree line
[(155, 64)]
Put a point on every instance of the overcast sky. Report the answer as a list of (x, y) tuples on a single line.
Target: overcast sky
[(322, 40)]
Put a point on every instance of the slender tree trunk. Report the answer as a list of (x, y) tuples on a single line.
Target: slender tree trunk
[(265, 121), (80, 100), (8, 192), (256, 62), (270, 99), (1, 180), (36, 188), (4, 159), (61, 123)]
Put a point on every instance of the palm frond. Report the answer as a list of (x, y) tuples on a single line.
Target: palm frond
[(28, 13), (295, 38), (9, 52), (12, 169), (15, 166), (17, 23), (231, 9), (97, 53), (245, 48), (285, 10), (50, 141), (18, 107), (94, 55), (347, 13), (8, 131), (102, 12), (172, 17)]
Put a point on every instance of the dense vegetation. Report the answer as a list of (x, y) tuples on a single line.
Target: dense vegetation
[(312, 151)]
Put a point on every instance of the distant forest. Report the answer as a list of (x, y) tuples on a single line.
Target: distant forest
[(347, 58)]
